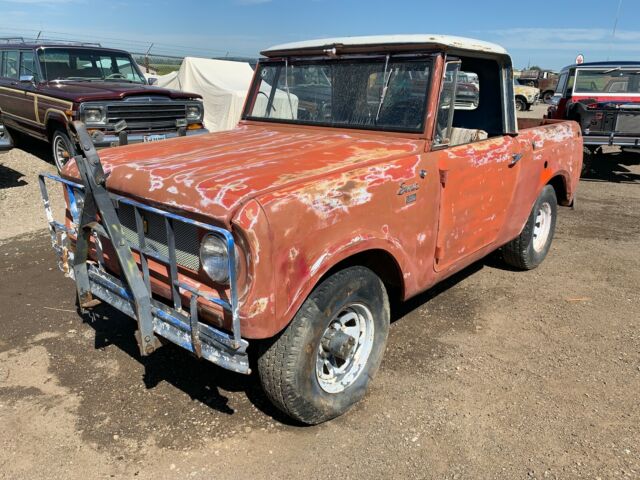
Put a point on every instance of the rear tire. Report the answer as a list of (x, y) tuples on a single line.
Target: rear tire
[(530, 248), (547, 96), (62, 148), (301, 371)]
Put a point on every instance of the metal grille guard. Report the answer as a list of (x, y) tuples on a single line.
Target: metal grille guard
[(132, 294)]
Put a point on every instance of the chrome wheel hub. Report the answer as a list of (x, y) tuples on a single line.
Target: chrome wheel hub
[(542, 227), (344, 348), (60, 152)]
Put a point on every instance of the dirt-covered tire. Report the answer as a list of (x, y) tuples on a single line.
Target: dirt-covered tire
[(521, 105), (302, 372), (530, 248), (547, 96), (62, 148)]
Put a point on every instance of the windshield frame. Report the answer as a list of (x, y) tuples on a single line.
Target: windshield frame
[(429, 57), (93, 51), (602, 69)]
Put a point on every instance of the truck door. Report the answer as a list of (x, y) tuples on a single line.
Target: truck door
[(18, 99), (478, 174)]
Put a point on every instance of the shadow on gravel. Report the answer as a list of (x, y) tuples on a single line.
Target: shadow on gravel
[(205, 382), (612, 167), (40, 149), (200, 380), (401, 309), (10, 178)]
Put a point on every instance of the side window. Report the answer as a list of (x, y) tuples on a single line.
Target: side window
[(446, 104), (27, 64), (562, 83), (472, 100), (10, 64)]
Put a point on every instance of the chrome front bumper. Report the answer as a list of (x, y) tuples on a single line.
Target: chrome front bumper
[(101, 140), (174, 323)]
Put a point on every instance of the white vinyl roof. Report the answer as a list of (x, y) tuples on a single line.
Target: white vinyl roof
[(372, 40)]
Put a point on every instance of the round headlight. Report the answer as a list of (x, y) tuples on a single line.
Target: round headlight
[(214, 257), (194, 112), (93, 115)]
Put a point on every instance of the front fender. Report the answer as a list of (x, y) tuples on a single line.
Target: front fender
[(307, 272)]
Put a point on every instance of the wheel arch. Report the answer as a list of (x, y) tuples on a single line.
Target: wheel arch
[(373, 254), (560, 182), (379, 261), (55, 120)]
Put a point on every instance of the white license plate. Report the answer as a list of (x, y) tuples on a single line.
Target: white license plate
[(154, 138)]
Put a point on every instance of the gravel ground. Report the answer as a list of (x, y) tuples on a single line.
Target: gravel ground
[(495, 374), (20, 202)]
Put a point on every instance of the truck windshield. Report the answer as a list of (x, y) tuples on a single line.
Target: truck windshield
[(81, 64), (382, 93), (608, 80)]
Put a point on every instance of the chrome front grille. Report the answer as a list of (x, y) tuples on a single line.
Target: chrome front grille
[(147, 116), (186, 236)]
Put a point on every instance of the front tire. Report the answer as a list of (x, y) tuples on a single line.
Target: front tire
[(530, 248), (62, 148), (521, 105), (322, 363)]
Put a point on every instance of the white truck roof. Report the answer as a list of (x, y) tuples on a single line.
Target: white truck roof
[(376, 40)]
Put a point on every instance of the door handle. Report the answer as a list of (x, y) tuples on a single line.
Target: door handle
[(515, 158)]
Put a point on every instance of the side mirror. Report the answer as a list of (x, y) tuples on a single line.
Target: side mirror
[(153, 81), (27, 79)]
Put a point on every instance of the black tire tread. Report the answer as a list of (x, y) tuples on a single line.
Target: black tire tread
[(515, 253), (277, 362)]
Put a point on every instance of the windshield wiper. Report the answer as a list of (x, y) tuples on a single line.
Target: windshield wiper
[(385, 85)]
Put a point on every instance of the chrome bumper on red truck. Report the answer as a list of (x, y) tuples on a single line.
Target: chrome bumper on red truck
[(131, 292)]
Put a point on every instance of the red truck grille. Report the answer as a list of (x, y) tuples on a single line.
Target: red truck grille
[(147, 116)]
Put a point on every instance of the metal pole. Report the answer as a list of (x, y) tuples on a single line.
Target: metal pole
[(615, 26), (146, 58)]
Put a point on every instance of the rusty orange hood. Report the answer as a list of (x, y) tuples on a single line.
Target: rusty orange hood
[(213, 174)]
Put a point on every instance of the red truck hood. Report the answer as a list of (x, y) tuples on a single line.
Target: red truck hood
[(213, 174), (95, 91)]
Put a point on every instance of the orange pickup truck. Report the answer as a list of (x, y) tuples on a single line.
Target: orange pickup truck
[(354, 176)]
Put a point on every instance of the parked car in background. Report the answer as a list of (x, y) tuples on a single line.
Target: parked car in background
[(544, 80), (525, 96), (46, 85), (294, 231), (604, 98)]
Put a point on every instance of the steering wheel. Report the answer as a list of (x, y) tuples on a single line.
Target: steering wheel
[(273, 108), (115, 75)]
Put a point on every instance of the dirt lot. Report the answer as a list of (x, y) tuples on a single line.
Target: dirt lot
[(496, 374)]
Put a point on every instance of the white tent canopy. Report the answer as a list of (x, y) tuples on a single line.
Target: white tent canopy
[(223, 85)]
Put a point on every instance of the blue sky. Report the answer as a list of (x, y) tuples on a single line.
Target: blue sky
[(546, 33)]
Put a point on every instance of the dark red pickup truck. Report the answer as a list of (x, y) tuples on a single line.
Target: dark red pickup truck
[(45, 86)]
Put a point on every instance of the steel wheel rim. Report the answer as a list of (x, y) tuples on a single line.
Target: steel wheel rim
[(542, 227), (60, 152), (334, 374)]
